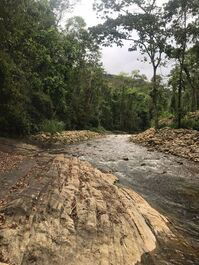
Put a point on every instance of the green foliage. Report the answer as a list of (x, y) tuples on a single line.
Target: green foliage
[(167, 115), (14, 122), (148, 22), (190, 124), (52, 126), (99, 129), (172, 31), (182, 16), (49, 74), (46, 73), (190, 91), (126, 103), (191, 120)]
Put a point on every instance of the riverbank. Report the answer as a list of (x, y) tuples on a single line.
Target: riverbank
[(65, 137), (180, 142)]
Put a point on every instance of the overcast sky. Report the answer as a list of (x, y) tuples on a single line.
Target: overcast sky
[(115, 59)]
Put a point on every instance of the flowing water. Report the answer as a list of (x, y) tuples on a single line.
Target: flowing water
[(170, 184)]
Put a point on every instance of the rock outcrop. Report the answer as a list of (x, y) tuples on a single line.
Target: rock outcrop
[(64, 211)]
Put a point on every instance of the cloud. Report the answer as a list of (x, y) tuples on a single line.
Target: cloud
[(115, 59), (118, 60)]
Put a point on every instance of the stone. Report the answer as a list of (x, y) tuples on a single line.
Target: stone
[(71, 213), (179, 142)]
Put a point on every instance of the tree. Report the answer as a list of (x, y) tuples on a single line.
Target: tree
[(60, 7), (87, 77), (127, 102), (33, 66), (181, 15), (50, 75), (191, 70), (146, 21)]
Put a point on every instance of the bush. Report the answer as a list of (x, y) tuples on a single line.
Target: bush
[(41, 107), (52, 126), (98, 129), (15, 125), (191, 121), (190, 124)]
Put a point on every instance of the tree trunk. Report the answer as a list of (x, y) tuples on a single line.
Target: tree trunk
[(193, 89), (155, 98), (179, 110), (182, 63), (194, 99), (122, 109)]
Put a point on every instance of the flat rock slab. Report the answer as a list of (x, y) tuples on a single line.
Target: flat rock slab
[(68, 212)]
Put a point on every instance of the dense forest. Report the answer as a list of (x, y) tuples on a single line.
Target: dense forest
[(52, 78)]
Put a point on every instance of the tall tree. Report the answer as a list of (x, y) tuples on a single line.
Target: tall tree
[(139, 22), (182, 16), (61, 7)]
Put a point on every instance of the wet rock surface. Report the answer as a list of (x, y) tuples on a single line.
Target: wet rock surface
[(169, 183), (57, 209), (67, 212)]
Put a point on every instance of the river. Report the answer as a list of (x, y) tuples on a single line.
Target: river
[(169, 184)]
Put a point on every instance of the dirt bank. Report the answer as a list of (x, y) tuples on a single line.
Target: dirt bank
[(180, 142)]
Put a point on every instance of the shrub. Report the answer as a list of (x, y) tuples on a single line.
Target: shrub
[(98, 129), (190, 124), (191, 121), (52, 126)]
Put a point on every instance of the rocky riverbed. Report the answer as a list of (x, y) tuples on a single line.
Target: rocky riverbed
[(180, 142), (56, 207)]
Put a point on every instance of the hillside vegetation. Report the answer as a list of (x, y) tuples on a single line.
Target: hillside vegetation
[(52, 79)]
